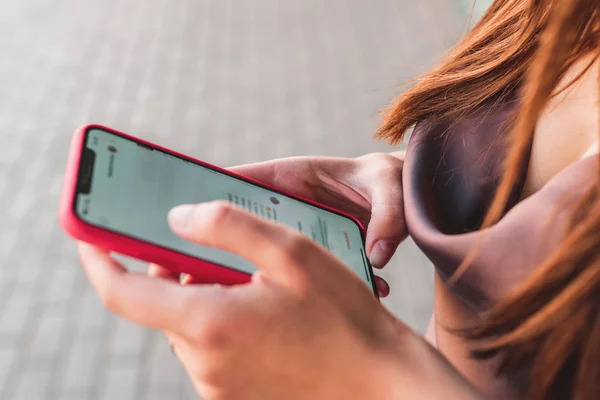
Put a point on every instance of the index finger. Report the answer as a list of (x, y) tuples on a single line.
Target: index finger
[(155, 303)]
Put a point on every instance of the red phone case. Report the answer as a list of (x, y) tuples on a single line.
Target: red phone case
[(203, 271)]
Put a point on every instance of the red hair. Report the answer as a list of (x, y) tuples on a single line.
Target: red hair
[(550, 325)]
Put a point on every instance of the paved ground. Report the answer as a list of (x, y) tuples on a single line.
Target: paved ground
[(227, 81)]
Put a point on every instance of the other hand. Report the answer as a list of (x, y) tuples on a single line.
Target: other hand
[(367, 187)]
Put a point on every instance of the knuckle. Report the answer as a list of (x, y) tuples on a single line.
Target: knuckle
[(388, 169), (298, 251), (213, 331), (384, 166), (221, 214), (212, 372), (303, 290), (215, 335), (373, 157), (297, 248)]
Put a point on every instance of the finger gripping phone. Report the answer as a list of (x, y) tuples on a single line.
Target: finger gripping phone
[(119, 189)]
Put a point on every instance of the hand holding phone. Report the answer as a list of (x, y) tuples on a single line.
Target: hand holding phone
[(271, 337), (119, 189)]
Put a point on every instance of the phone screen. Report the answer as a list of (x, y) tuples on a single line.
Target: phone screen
[(128, 187)]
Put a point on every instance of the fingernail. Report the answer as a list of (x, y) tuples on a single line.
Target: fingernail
[(381, 253), (382, 287), (180, 215)]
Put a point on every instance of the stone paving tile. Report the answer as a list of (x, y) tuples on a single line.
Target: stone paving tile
[(14, 314), (226, 81), (33, 383), (81, 365), (121, 382), (7, 360), (46, 339)]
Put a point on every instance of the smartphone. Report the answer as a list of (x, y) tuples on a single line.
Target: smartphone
[(119, 189)]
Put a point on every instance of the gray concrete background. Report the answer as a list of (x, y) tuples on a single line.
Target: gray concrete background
[(227, 81)]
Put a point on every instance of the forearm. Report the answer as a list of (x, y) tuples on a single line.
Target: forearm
[(418, 371)]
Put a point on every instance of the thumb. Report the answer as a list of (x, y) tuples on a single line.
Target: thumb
[(387, 227), (270, 247)]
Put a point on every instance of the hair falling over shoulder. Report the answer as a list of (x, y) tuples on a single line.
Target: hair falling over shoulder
[(550, 325)]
